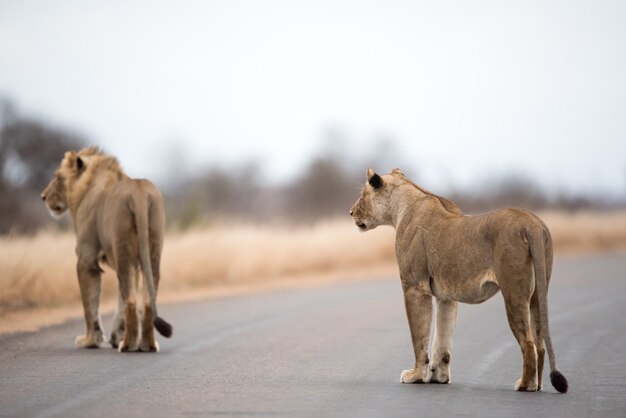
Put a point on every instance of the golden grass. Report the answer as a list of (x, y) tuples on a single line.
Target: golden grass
[(39, 271), (587, 231), (251, 253)]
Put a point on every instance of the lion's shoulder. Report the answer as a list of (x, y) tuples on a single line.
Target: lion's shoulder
[(447, 204)]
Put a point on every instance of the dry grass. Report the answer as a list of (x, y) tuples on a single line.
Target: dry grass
[(39, 272), (587, 231), (246, 253)]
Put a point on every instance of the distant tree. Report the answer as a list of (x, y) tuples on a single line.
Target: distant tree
[(234, 192), (30, 152), (514, 190), (324, 189)]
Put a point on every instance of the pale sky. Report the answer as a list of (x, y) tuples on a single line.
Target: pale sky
[(468, 89)]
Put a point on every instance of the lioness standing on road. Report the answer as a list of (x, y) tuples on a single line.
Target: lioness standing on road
[(443, 253), (119, 221)]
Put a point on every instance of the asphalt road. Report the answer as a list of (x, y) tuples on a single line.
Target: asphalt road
[(335, 350)]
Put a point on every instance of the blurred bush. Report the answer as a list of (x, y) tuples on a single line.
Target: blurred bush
[(327, 186), (30, 152)]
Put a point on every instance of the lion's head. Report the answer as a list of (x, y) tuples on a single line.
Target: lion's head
[(58, 192), (373, 207), (55, 195)]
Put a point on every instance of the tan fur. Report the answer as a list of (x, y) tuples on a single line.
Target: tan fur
[(107, 206), (451, 257)]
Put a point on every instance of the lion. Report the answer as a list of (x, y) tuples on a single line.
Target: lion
[(118, 221), (452, 257)]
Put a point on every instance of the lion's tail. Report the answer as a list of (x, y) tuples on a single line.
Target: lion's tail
[(537, 251), (140, 203)]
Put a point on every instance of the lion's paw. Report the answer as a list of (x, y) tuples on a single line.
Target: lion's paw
[(90, 340), (123, 347), (529, 387), (114, 342), (116, 338), (152, 347), (412, 376), (441, 373), (440, 376)]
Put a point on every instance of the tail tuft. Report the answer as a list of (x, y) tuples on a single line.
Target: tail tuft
[(558, 381), (165, 329)]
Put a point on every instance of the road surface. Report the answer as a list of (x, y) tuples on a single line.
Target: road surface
[(335, 350)]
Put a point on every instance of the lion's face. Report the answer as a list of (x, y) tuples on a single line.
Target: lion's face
[(372, 208), (55, 195), (56, 192)]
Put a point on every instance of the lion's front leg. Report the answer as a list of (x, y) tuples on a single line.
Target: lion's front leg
[(442, 345), (117, 329), (419, 309), (89, 281)]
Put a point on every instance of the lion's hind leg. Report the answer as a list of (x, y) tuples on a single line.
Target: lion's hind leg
[(518, 314), (128, 289), (131, 328), (538, 334), (147, 343)]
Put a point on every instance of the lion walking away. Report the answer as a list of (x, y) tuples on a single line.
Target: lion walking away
[(118, 221), (452, 257)]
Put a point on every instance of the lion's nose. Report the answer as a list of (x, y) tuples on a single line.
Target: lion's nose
[(351, 212), (43, 196)]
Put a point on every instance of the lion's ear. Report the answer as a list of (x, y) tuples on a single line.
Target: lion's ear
[(70, 158), (374, 179), (75, 162), (80, 164)]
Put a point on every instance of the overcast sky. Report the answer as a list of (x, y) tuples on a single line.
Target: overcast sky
[(468, 89)]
